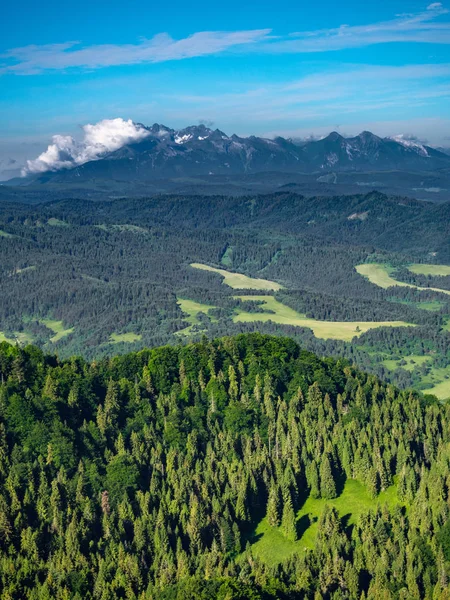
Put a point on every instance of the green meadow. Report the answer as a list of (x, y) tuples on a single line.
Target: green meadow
[(239, 281), (58, 329), (434, 270), (380, 275), (284, 315), (411, 362), (272, 547), (129, 338), (192, 309), (20, 337)]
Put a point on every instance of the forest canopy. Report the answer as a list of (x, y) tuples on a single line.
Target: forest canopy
[(146, 475)]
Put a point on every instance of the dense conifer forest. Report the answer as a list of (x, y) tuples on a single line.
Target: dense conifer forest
[(145, 476), (101, 278)]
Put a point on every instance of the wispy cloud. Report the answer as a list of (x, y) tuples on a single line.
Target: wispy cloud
[(423, 27), (426, 26), (356, 85), (36, 59)]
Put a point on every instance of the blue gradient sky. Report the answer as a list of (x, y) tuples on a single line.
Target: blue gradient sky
[(295, 68)]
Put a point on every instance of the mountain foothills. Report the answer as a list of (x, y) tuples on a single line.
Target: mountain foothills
[(240, 468), (364, 277)]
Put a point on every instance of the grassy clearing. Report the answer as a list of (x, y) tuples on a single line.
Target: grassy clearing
[(129, 338), (432, 305), (379, 274), (272, 547), (411, 362), (437, 382), (239, 281), (435, 270), (20, 337), (192, 309), (58, 329), (5, 234), (440, 390), (282, 314), (57, 222), (25, 270)]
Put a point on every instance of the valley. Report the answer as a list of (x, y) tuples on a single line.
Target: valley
[(122, 276), (225, 336)]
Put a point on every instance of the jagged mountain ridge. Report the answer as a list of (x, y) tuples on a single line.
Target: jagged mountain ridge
[(199, 150)]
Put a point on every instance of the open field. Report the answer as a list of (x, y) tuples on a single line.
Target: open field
[(24, 270), (19, 336), (130, 337), (192, 309), (239, 281), (437, 382), (5, 234), (432, 305), (58, 329), (440, 390), (272, 547), (57, 222), (379, 274), (282, 314), (435, 270), (411, 362)]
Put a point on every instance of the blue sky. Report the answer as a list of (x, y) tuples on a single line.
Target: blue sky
[(295, 68)]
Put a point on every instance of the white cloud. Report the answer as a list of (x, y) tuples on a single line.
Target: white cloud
[(103, 137), (35, 59)]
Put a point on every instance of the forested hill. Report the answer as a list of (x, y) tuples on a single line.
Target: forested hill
[(150, 475)]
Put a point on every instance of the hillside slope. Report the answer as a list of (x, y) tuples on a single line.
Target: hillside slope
[(147, 476)]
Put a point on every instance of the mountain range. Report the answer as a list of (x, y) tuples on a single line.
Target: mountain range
[(199, 151)]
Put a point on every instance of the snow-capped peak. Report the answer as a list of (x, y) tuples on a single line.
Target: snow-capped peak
[(182, 139), (410, 143)]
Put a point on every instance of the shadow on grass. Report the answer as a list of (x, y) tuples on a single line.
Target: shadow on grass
[(302, 525)]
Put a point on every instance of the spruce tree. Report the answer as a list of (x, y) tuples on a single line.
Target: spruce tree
[(273, 506), (288, 521), (327, 483)]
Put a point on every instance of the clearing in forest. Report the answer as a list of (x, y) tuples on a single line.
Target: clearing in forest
[(57, 222), (58, 329), (192, 309), (24, 270), (129, 338), (271, 545), (434, 270), (379, 274), (284, 315), (18, 337), (441, 390), (411, 361), (239, 281)]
